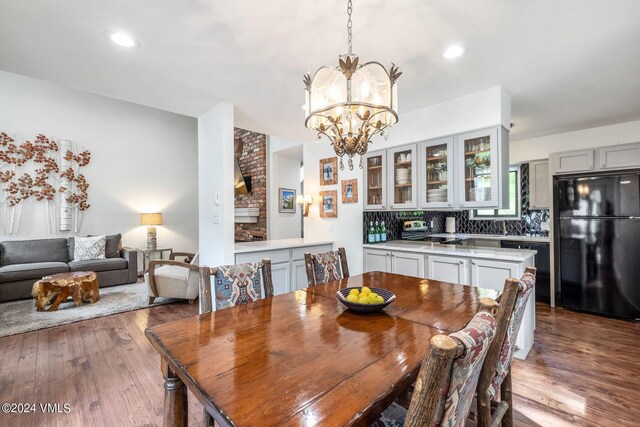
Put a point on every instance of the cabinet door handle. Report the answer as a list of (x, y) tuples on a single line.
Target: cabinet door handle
[(604, 165), (473, 262), (461, 262), (461, 203), (450, 204)]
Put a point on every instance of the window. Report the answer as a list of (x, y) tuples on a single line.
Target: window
[(510, 212)]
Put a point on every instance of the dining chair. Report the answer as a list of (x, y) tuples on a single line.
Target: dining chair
[(495, 377), (325, 267), (173, 278), (236, 284), (447, 380)]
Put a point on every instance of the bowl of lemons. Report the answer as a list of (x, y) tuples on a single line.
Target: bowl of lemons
[(364, 299)]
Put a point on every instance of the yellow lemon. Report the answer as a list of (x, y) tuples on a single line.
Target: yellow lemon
[(380, 299), (365, 290), (352, 298), (373, 294), (363, 300), (354, 292)]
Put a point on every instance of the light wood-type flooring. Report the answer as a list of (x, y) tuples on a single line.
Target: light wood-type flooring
[(583, 370)]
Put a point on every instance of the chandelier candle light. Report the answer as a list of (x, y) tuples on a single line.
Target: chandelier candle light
[(351, 103)]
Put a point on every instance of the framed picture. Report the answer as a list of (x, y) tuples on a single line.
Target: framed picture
[(286, 200), (329, 171), (350, 191), (329, 204)]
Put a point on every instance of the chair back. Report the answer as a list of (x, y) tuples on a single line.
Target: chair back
[(235, 284), (325, 267), (513, 302), (448, 377)]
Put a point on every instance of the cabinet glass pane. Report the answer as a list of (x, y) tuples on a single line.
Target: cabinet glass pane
[(437, 182), (477, 165), (374, 180), (402, 191)]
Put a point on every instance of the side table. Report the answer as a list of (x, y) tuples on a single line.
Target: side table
[(146, 256)]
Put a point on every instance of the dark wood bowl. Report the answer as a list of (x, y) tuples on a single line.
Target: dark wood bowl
[(388, 297)]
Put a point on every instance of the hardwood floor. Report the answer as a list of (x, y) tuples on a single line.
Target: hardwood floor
[(582, 370)]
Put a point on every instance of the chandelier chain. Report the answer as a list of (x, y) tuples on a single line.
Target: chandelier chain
[(349, 25)]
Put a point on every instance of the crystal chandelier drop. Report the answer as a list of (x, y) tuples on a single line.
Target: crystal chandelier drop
[(351, 103)]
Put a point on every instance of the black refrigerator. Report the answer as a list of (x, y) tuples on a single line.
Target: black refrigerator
[(598, 243)]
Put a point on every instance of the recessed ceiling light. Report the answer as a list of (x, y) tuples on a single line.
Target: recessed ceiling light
[(122, 39), (452, 52)]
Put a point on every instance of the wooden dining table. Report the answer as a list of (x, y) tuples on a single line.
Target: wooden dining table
[(304, 359)]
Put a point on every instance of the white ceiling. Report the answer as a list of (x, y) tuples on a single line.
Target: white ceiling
[(569, 64)]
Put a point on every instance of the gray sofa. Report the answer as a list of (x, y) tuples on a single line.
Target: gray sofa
[(24, 262)]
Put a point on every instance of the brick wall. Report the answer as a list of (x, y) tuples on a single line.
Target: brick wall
[(253, 163)]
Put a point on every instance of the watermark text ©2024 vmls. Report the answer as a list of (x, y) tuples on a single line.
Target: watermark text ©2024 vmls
[(45, 408)]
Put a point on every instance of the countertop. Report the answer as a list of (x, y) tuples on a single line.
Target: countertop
[(451, 250), (538, 239), (270, 245)]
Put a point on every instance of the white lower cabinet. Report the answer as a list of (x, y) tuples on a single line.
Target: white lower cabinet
[(377, 260), (287, 265), (281, 274), (448, 269), (492, 274), (299, 275), (399, 262)]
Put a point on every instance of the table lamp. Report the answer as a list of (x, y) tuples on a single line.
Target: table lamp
[(151, 219)]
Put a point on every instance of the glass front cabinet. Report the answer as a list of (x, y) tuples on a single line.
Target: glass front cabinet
[(464, 171), (483, 168), (402, 174), (436, 173), (375, 180)]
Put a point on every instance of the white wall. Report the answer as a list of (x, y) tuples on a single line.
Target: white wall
[(539, 148), (482, 109), (143, 159), (215, 177), (285, 173)]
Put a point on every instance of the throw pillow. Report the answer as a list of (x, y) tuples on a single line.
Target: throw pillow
[(88, 248)]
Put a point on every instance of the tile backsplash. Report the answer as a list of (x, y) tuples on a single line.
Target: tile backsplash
[(528, 224)]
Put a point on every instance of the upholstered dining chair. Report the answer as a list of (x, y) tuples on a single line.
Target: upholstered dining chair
[(325, 267), (172, 278), (234, 285), (495, 378), (447, 381)]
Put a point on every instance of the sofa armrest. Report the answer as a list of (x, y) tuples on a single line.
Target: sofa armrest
[(131, 256)]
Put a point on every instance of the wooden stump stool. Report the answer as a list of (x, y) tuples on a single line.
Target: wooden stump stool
[(80, 285)]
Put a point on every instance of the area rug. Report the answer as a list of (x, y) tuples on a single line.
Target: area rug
[(21, 316)]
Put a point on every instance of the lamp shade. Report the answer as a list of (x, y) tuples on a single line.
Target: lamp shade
[(151, 219)]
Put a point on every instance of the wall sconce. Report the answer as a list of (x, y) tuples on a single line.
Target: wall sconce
[(304, 202)]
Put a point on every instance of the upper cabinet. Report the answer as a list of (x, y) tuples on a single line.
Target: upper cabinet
[(484, 174), (573, 161), (465, 171), (375, 180), (539, 185), (402, 177), (613, 157), (436, 176)]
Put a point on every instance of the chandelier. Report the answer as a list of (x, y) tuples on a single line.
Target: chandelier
[(351, 103)]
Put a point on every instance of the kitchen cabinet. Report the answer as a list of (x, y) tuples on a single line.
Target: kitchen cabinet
[(410, 264), (281, 274), (287, 265), (377, 260), (619, 157), (572, 161), (492, 274), (483, 168), (407, 263), (402, 177), (375, 180), (539, 185), (299, 275), (437, 165), (448, 269)]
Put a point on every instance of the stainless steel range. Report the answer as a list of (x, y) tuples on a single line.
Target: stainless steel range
[(420, 231)]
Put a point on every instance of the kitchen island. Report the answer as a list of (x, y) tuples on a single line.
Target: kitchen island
[(287, 259), (474, 266)]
